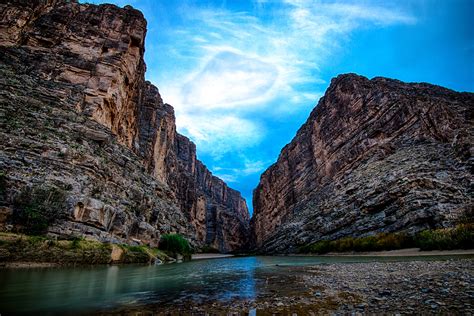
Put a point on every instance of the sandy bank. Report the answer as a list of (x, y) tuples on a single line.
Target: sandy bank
[(199, 256)]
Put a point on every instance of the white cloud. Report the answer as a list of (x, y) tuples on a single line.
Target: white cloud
[(229, 79), (228, 178), (219, 134), (248, 167), (356, 11), (242, 62)]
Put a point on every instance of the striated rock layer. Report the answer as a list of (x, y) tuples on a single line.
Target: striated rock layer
[(374, 156), (77, 113)]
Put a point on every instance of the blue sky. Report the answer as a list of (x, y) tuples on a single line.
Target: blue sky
[(244, 75)]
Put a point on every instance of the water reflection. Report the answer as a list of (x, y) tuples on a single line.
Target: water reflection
[(108, 286), (92, 288)]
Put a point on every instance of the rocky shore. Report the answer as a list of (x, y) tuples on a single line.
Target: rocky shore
[(394, 288)]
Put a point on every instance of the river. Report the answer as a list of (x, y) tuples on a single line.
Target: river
[(99, 288)]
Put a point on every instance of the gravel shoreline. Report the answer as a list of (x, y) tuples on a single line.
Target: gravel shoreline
[(401, 287), (410, 287)]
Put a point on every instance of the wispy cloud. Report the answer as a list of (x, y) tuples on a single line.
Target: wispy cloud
[(241, 66), (217, 134), (350, 12), (247, 168), (229, 79), (243, 75)]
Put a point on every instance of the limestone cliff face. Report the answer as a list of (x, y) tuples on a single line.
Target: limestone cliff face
[(375, 155), (97, 47), (78, 70), (217, 212)]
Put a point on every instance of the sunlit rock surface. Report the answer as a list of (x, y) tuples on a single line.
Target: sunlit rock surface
[(77, 113), (374, 156)]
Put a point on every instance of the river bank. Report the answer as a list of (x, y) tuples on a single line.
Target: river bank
[(22, 251), (420, 287), (408, 252)]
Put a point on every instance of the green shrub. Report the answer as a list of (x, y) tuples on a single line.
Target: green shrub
[(369, 243), (175, 243), (393, 241), (366, 243), (343, 245), (37, 208), (322, 247), (76, 242), (459, 237)]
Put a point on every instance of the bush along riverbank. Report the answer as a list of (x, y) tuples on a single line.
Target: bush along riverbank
[(459, 237), (176, 245), (17, 248)]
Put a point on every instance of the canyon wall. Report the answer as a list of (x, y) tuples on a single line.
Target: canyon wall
[(374, 156), (78, 115)]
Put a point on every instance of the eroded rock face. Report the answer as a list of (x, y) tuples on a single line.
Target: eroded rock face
[(217, 212), (375, 155), (98, 47), (77, 112)]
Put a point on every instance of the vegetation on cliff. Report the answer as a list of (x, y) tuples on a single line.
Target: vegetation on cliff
[(38, 207)]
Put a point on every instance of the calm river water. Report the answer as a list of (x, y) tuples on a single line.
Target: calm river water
[(87, 289)]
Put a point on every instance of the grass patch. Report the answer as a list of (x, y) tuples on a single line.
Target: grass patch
[(76, 242), (139, 249), (77, 250), (26, 248), (141, 254), (36, 239), (459, 237)]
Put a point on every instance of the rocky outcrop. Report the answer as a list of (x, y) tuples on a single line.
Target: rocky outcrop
[(77, 113), (374, 156)]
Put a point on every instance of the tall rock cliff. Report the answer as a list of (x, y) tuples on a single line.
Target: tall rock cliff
[(78, 116), (374, 156)]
